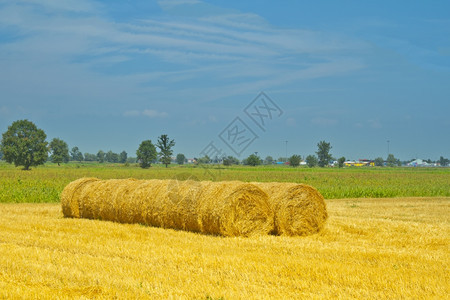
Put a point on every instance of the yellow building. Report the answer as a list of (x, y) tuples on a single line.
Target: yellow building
[(360, 163)]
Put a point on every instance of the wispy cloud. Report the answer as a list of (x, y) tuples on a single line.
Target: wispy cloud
[(81, 52), (324, 122), (168, 4), (374, 123), (150, 113)]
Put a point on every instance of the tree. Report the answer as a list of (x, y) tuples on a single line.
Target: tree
[(146, 153), (295, 160), (268, 160), (101, 156), (323, 153), (60, 151), (90, 157), (341, 162), (311, 161), (108, 156), (379, 161), (24, 144), (112, 157), (227, 162), (1, 155), (123, 156), (253, 160), (444, 161), (230, 160), (76, 154), (204, 160), (165, 149), (391, 160), (282, 159), (181, 158)]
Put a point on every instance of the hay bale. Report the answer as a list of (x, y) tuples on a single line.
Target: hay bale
[(233, 209), (108, 200), (70, 197), (299, 209), (223, 208)]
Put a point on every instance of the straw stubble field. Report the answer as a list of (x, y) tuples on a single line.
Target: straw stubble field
[(369, 249)]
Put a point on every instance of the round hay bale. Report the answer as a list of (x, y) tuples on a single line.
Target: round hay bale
[(234, 209), (70, 197), (299, 209), (224, 208)]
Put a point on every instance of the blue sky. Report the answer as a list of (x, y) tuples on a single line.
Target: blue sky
[(110, 74)]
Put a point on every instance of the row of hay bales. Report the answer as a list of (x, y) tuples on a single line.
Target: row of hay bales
[(229, 208)]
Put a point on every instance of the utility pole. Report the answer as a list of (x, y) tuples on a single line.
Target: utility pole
[(388, 141), (286, 151)]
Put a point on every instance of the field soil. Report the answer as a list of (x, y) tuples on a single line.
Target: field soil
[(369, 249)]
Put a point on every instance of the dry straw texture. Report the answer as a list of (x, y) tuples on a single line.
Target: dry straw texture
[(223, 208), (70, 196), (299, 209)]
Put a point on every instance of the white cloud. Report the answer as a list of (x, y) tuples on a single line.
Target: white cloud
[(324, 122), (374, 123), (150, 113), (58, 5), (154, 113), (169, 4), (89, 56), (290, 122)]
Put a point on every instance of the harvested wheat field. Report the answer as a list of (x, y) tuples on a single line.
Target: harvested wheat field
[(369, 249)]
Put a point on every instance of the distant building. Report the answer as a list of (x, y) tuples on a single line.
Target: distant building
[(191, 160), (359, 163), (418, 163)]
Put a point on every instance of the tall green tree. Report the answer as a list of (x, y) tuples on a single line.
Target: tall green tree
[(123, 156), (165, 149), (323, 153), (311, 161), (181, 158), (230, 160), (379, 161), (90, 157), (146, 153), (111, 157), (24, 144), (253, 160), (204, 160), (341, 162), (392, 161), (59, 150), (294, 160), (76, 154), (101, 156), (444, 161)]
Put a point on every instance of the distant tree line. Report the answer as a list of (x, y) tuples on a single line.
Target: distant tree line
[(25, 145)]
